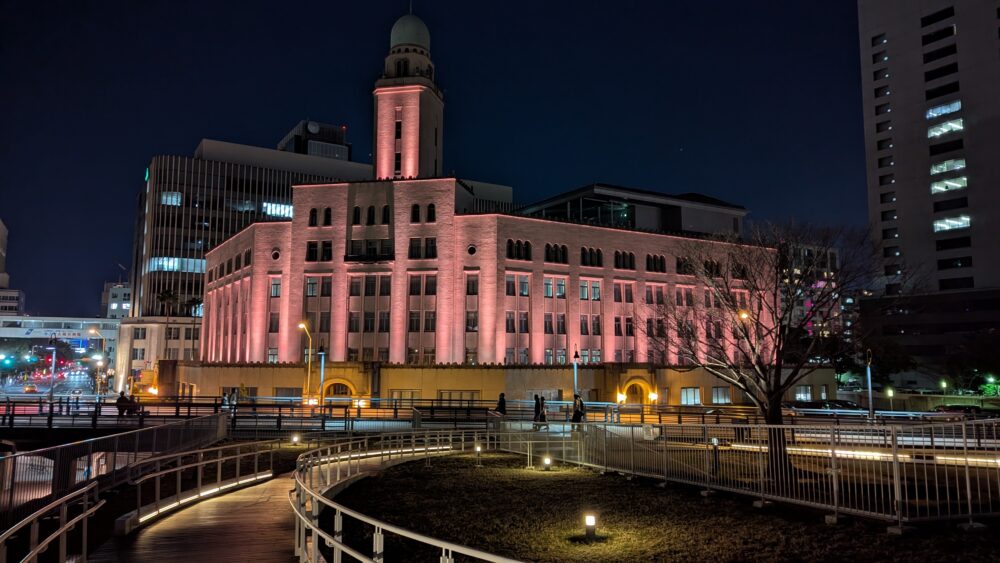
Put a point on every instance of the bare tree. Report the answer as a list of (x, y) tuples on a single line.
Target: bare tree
[(763, 312)]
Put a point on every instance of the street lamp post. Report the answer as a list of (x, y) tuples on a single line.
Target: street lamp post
[(868, 373), (100, 363), (52, 376), (576, 360), (322, 373), (305, 395)]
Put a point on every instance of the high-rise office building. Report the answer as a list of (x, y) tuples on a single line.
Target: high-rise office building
[(931, 98), (116, 300)]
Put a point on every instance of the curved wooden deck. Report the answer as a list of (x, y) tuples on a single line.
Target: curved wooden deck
[(251, 524)]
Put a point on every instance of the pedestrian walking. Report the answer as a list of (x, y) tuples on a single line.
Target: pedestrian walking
[(578, 411), (543, 419), (502, 404), (538, 410)]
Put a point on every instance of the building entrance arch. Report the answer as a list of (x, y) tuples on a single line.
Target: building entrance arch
[(636, 392), (339, 388)]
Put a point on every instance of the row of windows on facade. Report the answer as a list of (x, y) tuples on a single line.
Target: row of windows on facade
[(521, 250), (386, 216), (170, 333), (233, 264)]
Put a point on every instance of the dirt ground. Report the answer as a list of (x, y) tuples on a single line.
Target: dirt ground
[(534, 515)]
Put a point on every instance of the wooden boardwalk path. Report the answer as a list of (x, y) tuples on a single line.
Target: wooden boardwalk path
[(251, 524)]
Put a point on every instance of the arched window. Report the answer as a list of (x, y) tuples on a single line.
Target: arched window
[(584, 257), (600, 257), (510, 248), (385, 214), (338, 389), (649, 263), (618, 259), (371, 215), (327, 217), (431, 214), (631, 261), (548, 252), (312, 217), (518, 250), (663, 264), (564, 254), (415, 213), (527, 251), (356, 216), (247, 256)]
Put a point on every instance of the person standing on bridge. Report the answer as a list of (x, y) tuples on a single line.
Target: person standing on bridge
[(122, 403), (538, 410), (578, 411), (502, 405), (543, 419)]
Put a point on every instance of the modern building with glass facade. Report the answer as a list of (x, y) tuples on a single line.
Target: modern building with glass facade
[(931, 99)]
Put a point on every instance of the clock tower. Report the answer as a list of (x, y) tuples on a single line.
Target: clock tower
[(409, 106)]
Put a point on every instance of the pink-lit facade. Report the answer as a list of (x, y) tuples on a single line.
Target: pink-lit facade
[(407, 268)]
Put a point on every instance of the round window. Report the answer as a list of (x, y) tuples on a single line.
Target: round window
[(275, 254), (472, 249)]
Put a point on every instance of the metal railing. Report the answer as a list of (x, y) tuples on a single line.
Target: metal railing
[(35, 478), (170, 481), (70, 514), (339, 462)]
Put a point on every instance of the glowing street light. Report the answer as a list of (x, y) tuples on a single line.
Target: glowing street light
[(889, 393), (622, 397), (295, 438), (479, 455), (590, 522), (944, 386), (309, 359), (744, 314), (653, 396), (547, 463)]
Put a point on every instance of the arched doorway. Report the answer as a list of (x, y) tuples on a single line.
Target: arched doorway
[(338, 388), (634, 395)]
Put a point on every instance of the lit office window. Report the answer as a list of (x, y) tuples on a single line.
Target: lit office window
[(938, 111), (172, 264), (952, 223), (945, 127), (171, 198), (276, 209), (950, 184), (948, 166)]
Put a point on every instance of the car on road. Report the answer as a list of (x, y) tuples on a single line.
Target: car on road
[(30, 388), (76, 392), (964, 409)]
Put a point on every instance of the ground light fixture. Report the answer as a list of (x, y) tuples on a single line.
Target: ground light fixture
[(590, 522), (295, 438), (547, 463), (479, 455), (653, 396), (622, 397)]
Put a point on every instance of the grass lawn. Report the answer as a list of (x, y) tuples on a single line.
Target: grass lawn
[(534, 515)]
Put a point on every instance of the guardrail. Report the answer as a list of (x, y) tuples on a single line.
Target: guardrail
[(190, 476), (36, 478), (66, 523)]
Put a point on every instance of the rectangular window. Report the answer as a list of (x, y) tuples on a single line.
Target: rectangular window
[(472, 285), (887, 197), (324, 321), (952, 223), (891, 252), (945, 127), (414, 324), (312, 251), (472, 321), (560, 323), (584, 290), (880, 74), (510, 285), (397, 164), (953, 263), (878, 39), (414, 285), (949, 185), (357, 247), (384, 285), (943, 90), (548, 356), (172, 199), (953, 243), (618, 292), (275, 287), (523, 324), (889, 215), (311, 287), (721, 396), (940, 72), (560, 288), (272, 324), (940, 53), (948, 165), (595, 325), (628, 293), (547, 323), (547, 288), (353, 322), (882, 91), (879, 57), (584, 325), (523, 282), (430, 285), (509, 322), (326, 287), (561, 356), (618, 326), (880, 127), (690, 395), (430, 248), (935, 36), (138, 354), (354, 286), (430, 321), (629, 327), (955, 283), (888, 234), (940, 15), (883, 144), (595, 291), (272, 355), (946, 146), (803, 393), (370, 285), (885, 161), (138, 334), (383, 321), (951, 204), (414, 252), (369, 321)]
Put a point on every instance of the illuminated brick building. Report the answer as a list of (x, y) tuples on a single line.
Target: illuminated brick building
[(416, 268)]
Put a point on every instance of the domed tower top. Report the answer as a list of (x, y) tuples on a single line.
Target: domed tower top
[(410, 30)]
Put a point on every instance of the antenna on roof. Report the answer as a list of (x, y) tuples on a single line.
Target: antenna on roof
[(411, 7)]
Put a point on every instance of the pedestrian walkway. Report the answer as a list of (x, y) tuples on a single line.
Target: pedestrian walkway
[(248, 525)]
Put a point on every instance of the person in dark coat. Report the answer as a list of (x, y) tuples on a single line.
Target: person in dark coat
[(122, 404), (542, 418), (502, 404), (578, 409), (538, 410)]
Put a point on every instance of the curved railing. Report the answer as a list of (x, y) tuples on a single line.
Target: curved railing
[(338, 463), (66, 523)]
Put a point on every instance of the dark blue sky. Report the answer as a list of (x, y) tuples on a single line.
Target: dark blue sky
[(753, 102)]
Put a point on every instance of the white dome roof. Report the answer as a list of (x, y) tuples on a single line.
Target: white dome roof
[(410, 30)]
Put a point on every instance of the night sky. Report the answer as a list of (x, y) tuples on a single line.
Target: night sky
[(757, 103)]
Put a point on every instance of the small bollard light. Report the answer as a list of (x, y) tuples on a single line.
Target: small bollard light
[(479, 456), (547, 462), (590, 521), (295, 438)]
